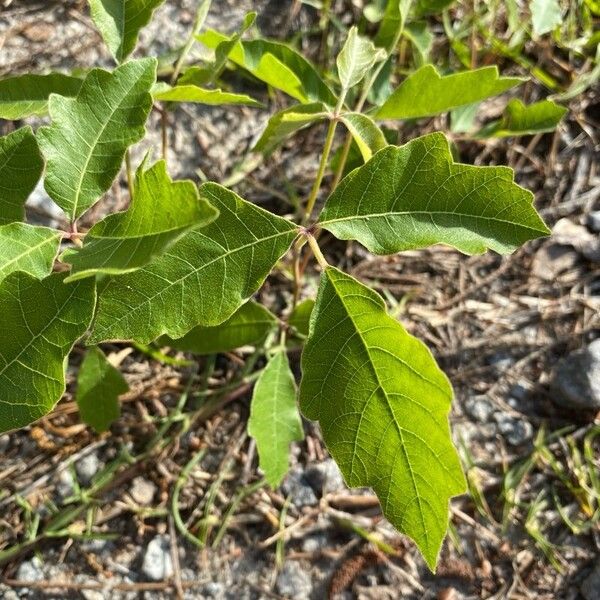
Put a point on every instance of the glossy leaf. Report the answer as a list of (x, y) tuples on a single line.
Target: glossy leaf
[(86, 142), (426, 93), (199, 95), (521, 119), (161, 212), (202, 279), (414, 196), (356, 58), (287, 122), (120, 22), (546, 15), (367, 135), (99, 386), (274, 419), (382, 403), (300, 317), (20, 169), (27, 95), (27, 248), (248, 326), (41, 321), (277, 65)]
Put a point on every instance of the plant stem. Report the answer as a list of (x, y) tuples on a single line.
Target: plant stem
[(314, 192), (361, 102), (199, 19), (314, 246)]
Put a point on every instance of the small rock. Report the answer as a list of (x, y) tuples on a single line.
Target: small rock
[(520, 391), (157, 564), (294, 582), (325, 477), (314, 543), (66, 485), (576, 379), (515, 431), (142, 491), (4, 442), (593, 221), (214, 589), (92, 595), (87, 467), (297, 487), (500, 360), (553, 259), (479, 408), (590, 588), (31, 570), (567, 233)]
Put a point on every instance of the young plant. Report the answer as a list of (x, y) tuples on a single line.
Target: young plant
[(180, 266)]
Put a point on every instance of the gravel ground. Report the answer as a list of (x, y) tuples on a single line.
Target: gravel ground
[(514, 334)]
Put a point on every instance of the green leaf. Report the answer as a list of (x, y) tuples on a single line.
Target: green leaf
[(41, 321), (287, 122), (300, 317), (546, 15), (26, 95), (86, 142), (357, 57), (99, 386), (431, 7), (274, 420), (120, 22), (161, 212), (277, 65), (202, 279), (368, 137), (194, 93), (519, 119), (382, 403), (426, 93), (393, 21), (20, 169), (414, 196), (248, 326), (421, 38), (27, 248)]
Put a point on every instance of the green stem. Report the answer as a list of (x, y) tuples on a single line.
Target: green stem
[(314, 192), (314, 246)]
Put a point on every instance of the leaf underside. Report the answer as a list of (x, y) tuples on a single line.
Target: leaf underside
[(248, 326), (99, 386), (425, 92), (201, 280), (199, 95), (382, 404), (367, 135), (274, 420), (27, 248), (414, 196), (120, 21), (20, 169), (41, 321), (162, 210), (85, 144), (26, 95)]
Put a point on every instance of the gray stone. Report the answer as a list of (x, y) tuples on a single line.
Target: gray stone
[(294, 582), (298, 488), (142, 491), (567, 233), (576, 379), (30, 570), (214, 589), (87, 467), (157, 564), (66, 485), (590, 588), (479, 408), (501, 361), (553, 259), (325, 477), (4, 442), (520, 391), (593, 221), (515, 431)]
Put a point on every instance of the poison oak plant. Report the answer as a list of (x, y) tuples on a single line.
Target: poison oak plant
[(180, 266)]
